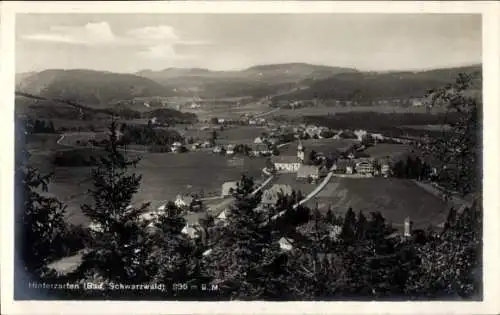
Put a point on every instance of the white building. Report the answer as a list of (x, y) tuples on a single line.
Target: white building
[(258, 140), (360, 134), (286, 163), (364, 167), (348, 169), (285, 244), (230, 149), (195, 105), (385, 169), (183, 201)]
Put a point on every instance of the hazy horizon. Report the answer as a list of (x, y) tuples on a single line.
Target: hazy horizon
[(240, 69), (126, 43)]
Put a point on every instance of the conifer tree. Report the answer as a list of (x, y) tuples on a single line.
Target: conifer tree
[(117, 252), (361, 226), (244, 261), (173, 257), (349, 227), (40, 226)]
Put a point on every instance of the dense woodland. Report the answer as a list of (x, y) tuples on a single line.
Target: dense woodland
[(364, 261)]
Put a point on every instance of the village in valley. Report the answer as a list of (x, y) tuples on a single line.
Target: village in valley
[(295, 155), (263, 176)]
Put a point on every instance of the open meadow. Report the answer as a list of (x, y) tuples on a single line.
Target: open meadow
[(382, 150), (239, 134), (228, 112), (164, 175), (394, 198)]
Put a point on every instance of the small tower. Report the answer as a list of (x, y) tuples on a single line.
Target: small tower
[(301, 152), (408, 226)]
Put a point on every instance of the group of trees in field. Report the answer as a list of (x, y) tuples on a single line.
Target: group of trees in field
[(171, 116), (147, 135), (37, 125), (393, 124), (412, 168), (333, 256)]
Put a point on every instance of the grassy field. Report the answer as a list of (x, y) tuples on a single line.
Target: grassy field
[(387, 150), (229, 112), (394, 198), (163, 177), (73, 138), (240, 134), (429, 127), (319, 145), (42, 141)]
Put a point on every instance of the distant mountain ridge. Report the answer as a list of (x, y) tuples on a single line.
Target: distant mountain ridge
[(290, 81), (256, 81), (372, 86), (95, 88)]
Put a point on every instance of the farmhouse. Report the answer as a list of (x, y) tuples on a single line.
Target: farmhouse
[(228, 188), (193, 228), (194, 105), (230, 149), (313, 172), (271, 195), (217, 149), (343, 166), (364, 167), (221, 217), (377, 136), (360, 134), (261, 149), (195, 146), (258, 140), (183, 201)]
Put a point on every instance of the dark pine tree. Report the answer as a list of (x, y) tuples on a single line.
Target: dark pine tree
[(117, 251), (348, 233), (245, 261)]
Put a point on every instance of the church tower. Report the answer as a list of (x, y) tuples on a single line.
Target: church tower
[(301, 152)]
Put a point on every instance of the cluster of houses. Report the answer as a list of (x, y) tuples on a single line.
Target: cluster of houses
[(348, 166)]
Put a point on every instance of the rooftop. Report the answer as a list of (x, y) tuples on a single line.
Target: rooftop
[(307, 170), (193, 218), (285, 159)]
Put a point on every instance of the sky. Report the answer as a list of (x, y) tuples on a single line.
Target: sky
[(127, 43)]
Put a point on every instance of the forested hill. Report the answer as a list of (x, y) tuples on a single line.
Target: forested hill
[(94, 88), (256, 81), (371, 86)]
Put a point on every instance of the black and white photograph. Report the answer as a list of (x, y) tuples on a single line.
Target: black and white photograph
[(248, 157)]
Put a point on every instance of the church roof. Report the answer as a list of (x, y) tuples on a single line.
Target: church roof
[(285, 159)]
